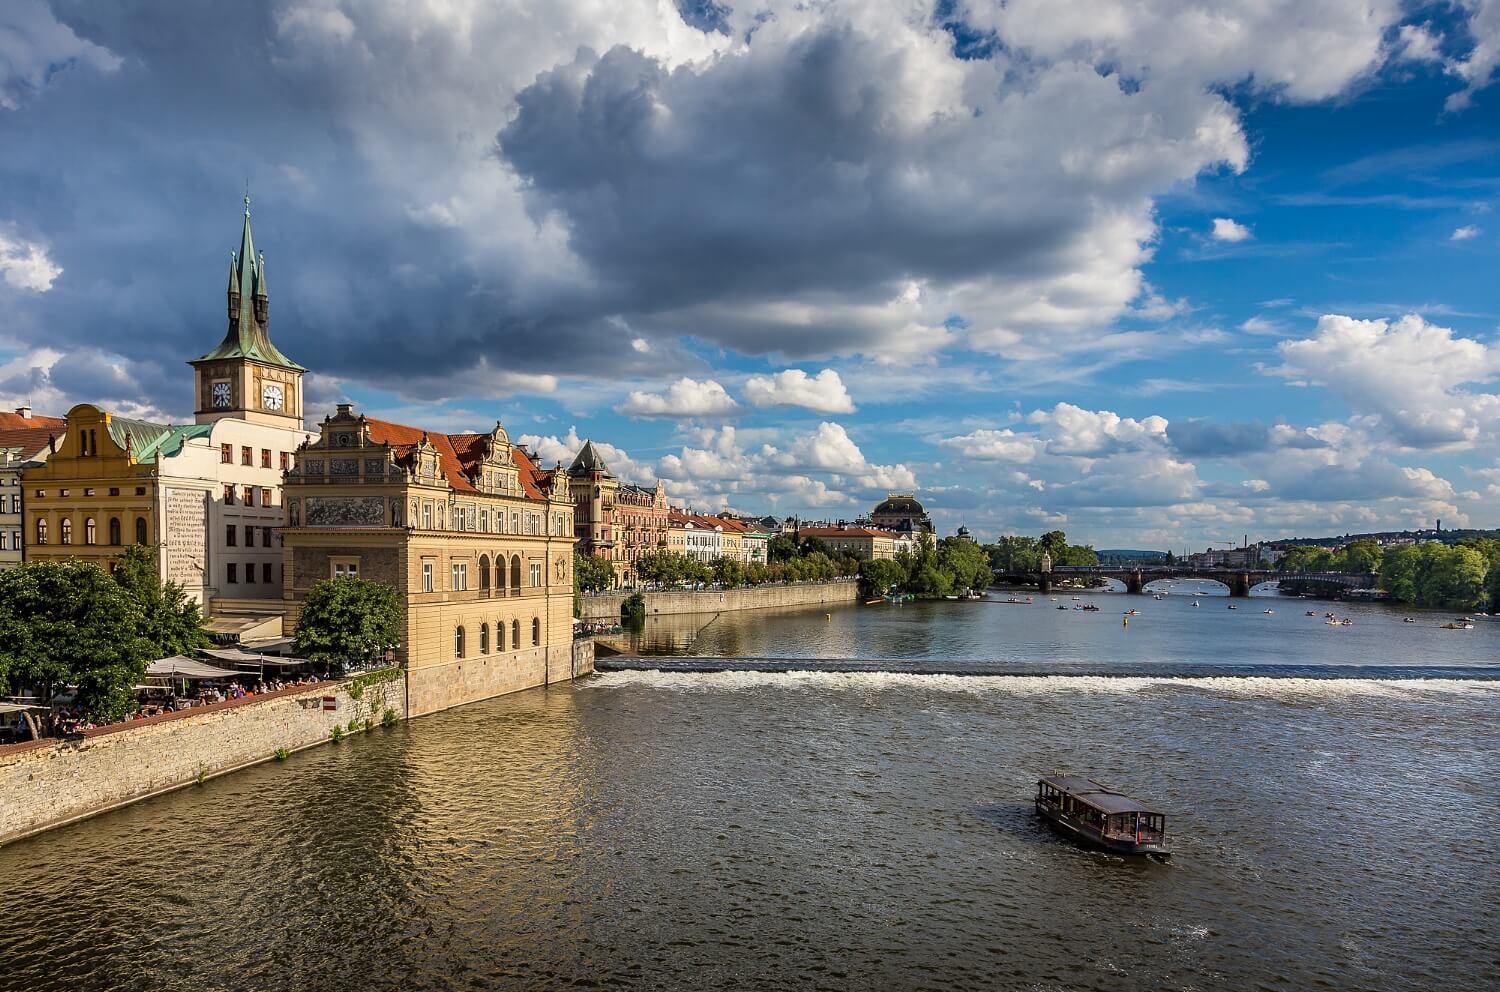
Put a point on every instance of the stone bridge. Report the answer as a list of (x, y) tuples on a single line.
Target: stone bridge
[(1239, 580)]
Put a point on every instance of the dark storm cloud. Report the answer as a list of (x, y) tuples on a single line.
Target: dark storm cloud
[(1197, 438), (134, 179)]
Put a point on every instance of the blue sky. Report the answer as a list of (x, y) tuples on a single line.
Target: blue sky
[(1156, 273)]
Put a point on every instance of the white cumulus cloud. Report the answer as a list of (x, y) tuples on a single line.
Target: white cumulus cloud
[(683, 398), (26, 265), (1464, 233), (824, 392), (1228, 229)]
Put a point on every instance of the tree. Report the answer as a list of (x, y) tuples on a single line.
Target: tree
[(348, 621), (1360, 556), (1306, 558), (781, 548), (170, 620), (880, 574), (965, 564), (69, 622), (592, 573), (728, 572), (1054, 543), (1015, 555), (1077, 554)]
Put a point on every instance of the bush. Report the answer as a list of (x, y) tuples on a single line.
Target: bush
[(633, 608)]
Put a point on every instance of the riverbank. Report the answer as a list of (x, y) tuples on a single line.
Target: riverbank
[(606, 605), (56, 781)]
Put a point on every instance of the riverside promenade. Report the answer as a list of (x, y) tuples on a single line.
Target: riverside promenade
[(606, 605)]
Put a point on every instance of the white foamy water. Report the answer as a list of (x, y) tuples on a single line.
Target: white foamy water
[(1260, 687)]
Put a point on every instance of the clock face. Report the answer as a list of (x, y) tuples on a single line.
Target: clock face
[(221, 394), (271, 396)]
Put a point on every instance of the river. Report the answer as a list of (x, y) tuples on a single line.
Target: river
[(834, 830)]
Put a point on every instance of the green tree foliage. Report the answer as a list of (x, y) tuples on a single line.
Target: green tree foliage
[(1359, 556), (1015, 555), (171, 621), (729, 573), (879, 574), (1436, 575), (346, 621), (70, 623), (781, 548), (592, 573), (1054, 543), (1306, 558)]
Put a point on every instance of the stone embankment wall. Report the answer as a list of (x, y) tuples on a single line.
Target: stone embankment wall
[(48, 783), (606, 606), (468, 680)]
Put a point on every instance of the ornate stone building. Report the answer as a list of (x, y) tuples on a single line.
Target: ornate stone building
[(478, 540), (615, 520), (206, 494), (24, 441), (901, 512)]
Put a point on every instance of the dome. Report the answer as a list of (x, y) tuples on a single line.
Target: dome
[(904, 506)]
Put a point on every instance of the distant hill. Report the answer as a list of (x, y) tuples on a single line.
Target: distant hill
[(1386, 537)]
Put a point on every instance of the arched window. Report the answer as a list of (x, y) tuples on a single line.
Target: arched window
[(41, 531), (500, 575), (140, 530), (499, 635), (536, 631), (515, 634), (114, 530), (484, 574), (484, 638), (458, 642), (515, 576), (66, 530), (90, 531)]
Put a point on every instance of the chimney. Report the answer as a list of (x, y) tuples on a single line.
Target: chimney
[(24, 411), (345, 409)]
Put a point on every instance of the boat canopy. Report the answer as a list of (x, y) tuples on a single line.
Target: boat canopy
[(1104, 799)]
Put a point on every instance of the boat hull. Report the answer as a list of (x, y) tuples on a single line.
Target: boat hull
[(1089, 838)]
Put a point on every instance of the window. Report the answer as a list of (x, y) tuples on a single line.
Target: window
[(515, 634), (247, 456), (90, 531), (140, 490), (41, 532), (499, 635), (114, 491), (515, 575), (228, 495), (536, 631), (140, 530), (15, 502), (249, 536), (427, 516), (484, 520), (66, 529), (458, 642), (4, 541), (348, 568), (286, 461), (88, 492), (265, 498), (427, 576), (460, 576), (536, 573), (484, 573), (484, 638), (265, 537), (265, 571), (226, 454), (250, 572), (15, 540), (265, 457), (249, 495), (232, 573), (231, 533)]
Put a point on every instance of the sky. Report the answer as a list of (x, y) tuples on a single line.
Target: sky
[(1159, 273)]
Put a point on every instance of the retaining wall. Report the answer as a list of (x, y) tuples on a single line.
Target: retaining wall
[(606, 606), (48, 783), (468, 680)]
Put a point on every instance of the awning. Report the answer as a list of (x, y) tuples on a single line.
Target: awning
[(188, 668), (235, 656), (17, 708)]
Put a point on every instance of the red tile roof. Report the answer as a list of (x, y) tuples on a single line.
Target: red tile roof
[(844, 532), (458, 454), (14, 421), (31, 440)]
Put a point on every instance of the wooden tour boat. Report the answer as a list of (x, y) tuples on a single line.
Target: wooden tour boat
[(1093, 814)]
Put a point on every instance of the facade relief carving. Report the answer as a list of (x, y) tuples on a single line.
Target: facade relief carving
[(345, 511)]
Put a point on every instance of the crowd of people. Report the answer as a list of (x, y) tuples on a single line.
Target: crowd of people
[(66, 720), (589, 628)]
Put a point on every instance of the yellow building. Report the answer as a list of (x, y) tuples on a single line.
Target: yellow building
[(861, 542), (475, 536)]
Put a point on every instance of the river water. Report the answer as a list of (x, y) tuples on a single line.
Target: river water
[(831, 830)]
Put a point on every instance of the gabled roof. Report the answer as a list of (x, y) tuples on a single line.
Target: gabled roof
[(588, 460), (458, 454), (143, 434)]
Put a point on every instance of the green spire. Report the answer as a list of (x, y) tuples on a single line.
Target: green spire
[(247, 336)]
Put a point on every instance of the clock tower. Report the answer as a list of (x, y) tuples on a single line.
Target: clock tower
[(246, 377)]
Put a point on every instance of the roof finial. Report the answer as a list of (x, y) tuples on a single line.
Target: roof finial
[(247, 196)]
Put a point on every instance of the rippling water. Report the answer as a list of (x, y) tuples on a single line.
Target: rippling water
[(805, 831)]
